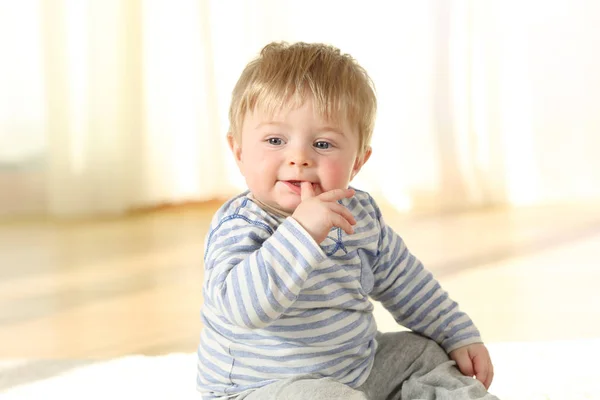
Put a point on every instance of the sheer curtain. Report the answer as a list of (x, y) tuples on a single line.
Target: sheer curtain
[(116, 104)]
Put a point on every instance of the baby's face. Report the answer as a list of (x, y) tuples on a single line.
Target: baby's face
[(279, 151)]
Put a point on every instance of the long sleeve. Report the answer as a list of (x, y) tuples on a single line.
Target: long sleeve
[(254, 273), (415, 298), (278, 305)]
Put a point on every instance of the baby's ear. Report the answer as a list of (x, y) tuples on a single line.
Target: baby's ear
[(360, 161), (236, 149)]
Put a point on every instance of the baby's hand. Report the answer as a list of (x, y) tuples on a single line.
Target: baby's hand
[(318, 214), (474, 360)]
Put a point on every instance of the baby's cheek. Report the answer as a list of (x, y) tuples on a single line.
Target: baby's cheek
[(335, 176)]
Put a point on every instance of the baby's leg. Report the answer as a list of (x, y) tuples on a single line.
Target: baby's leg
[(305, 388), (409, 366)]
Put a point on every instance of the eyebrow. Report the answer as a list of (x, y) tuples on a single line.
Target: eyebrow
[(275, 123), (325, 128), (331, 129)]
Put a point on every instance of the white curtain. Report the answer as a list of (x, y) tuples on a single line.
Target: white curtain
[(116, 104)]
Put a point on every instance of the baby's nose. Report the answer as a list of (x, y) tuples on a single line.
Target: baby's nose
[(299, 162), (300, 158)]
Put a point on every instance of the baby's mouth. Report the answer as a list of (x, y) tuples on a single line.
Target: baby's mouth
[(297, 185)]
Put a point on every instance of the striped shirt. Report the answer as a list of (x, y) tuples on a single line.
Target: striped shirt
[(277, 304)]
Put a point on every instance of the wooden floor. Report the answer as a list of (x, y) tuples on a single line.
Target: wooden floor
[(95, 289)]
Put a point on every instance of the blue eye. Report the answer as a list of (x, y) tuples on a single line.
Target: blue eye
[(275, 141), (322, 145)]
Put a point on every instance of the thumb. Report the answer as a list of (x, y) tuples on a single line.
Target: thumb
[(306, 190)]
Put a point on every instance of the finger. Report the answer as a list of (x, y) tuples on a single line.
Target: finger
[(343, 211), (306, 190), (337, 194), (482, 370), (341, 222), (465, 365), (490, 377), (463, 361)]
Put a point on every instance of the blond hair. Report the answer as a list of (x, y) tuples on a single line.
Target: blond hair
[(283, 75)]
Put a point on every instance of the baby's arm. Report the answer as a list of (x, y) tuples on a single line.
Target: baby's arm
[(417, 301), (252, 274), (415, 298)]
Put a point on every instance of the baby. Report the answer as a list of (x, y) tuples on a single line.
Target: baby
[(292, 264)]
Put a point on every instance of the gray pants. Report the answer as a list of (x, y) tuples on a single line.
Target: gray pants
[(407, 367)]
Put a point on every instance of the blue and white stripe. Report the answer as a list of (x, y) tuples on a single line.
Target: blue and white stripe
[(277, 304)]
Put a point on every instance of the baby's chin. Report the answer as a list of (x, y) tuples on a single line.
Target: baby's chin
[(284, 206), (288, 207)]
